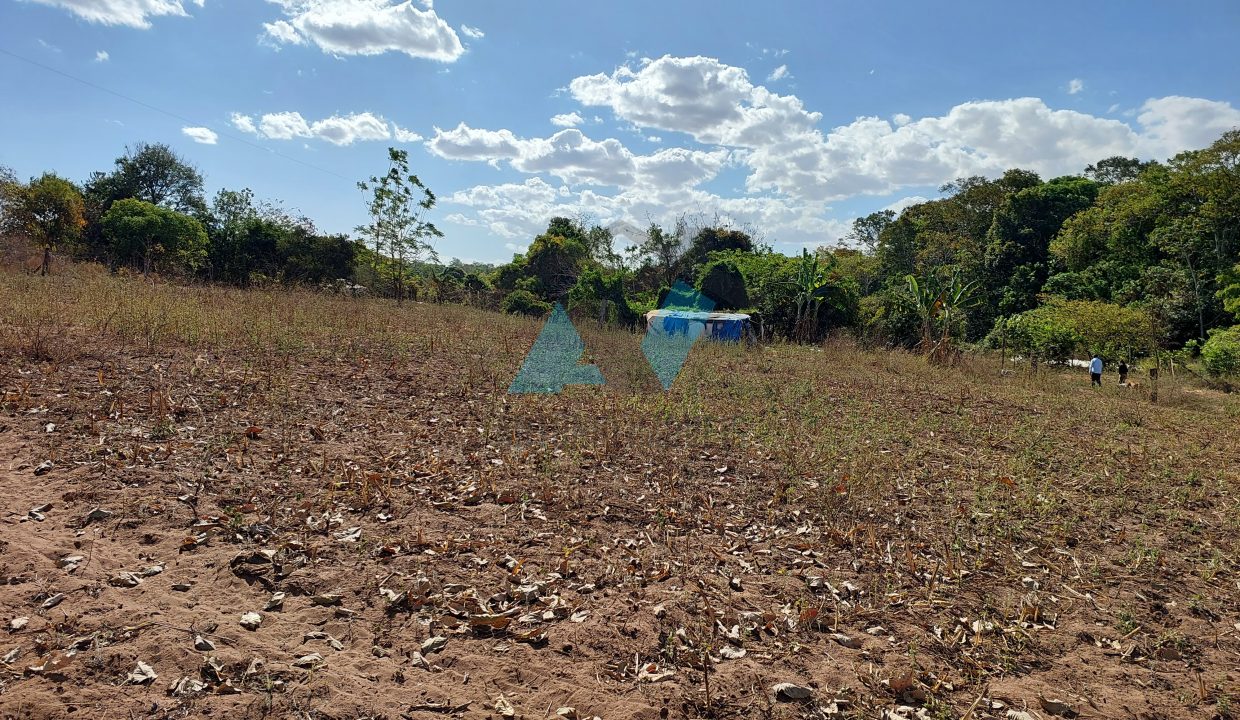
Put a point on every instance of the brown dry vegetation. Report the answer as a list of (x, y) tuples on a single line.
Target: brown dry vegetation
[(888, 534)]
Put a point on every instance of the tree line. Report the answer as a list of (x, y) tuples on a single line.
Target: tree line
[(1127, 258), (149, 213)]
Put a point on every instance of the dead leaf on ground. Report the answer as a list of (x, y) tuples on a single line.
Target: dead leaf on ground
[(142, 674)]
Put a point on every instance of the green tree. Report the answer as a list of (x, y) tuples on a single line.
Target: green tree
[(1229, 290), (600, 294), (306, 257), (860, 267), (398, 205), (49, 210), (712, 240), (1221, 353), (141, 232), (230, 226), (553, 263), (1019, 239), (1116, 169), (152, 172), (866, 230), (897, 247), (722, 281), (1061, 328), (1041, 335), (663, 250)]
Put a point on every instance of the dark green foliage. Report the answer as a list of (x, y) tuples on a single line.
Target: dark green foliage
[(151, 237), (711, 240), (1115, 170), (153, 173), (1221, 353), (554, 262), (1061, 329), (524, 302), (775, 283), (1019, 239), (311, 259), (887, 318), (551, 266), (1038, 336), (601, 294), (722, 281), (1229, 290)]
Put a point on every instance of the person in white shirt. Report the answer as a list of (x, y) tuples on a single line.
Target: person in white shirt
[(1095, 371)]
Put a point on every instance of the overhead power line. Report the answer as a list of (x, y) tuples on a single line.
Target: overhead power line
[(169, 113)]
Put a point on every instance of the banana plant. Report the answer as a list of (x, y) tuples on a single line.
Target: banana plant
[(446, 280), (940, 305), (813, 288)]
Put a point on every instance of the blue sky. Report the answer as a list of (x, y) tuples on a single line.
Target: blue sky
[(791, 117)]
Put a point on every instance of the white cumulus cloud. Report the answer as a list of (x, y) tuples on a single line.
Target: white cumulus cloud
[(102, 56), (402, 135), (338, 129), (132, 13), (284, 126), (205, 136), (786, 152), (472, 32), (778, 73), (793, 168), (1075, 85), (365, 27), (244, 123), (567, 120)]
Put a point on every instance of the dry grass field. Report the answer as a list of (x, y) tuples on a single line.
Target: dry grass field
[(894, 539)]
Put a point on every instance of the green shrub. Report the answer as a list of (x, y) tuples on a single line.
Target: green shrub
[(1062, 328), (1221, 353), (593, 288), (1038, 334), (524, 302), (722, 281), (888, 319)]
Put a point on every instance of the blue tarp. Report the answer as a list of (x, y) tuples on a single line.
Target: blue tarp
[(724, 327)]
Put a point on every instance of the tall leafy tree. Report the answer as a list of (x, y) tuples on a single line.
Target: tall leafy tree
[(49, 210), (141, 232), (866, 230), (398, 228), (711, 240), (1018, 243), (554, 263), (229, 224), (152, 172), (663, 250), (1116, 169)]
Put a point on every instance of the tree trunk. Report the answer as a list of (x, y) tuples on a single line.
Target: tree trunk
[(400, 282), (47, 260)]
